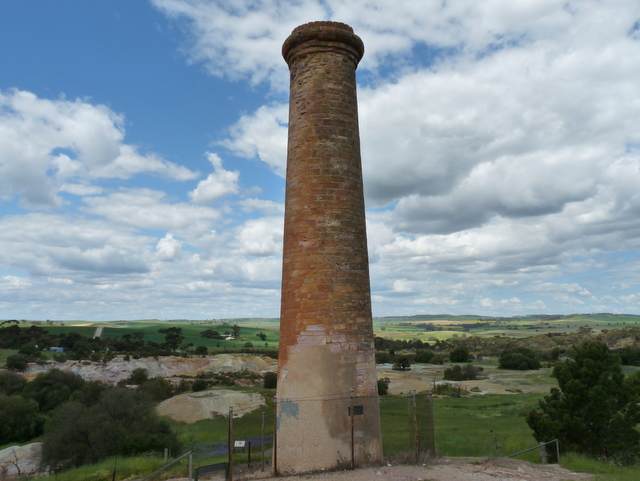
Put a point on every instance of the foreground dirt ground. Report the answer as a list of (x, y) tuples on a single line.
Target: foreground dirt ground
[(442, 469)]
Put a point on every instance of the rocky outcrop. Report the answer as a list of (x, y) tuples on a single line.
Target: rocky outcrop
[(20, 461), (118, 369)]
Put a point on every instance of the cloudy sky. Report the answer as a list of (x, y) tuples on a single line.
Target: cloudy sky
[(143, 146)]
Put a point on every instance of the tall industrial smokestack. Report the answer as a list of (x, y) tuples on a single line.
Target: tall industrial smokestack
[(328, 415)]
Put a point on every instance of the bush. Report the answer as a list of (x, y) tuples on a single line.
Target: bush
[(469, 372), (11, 383), (437, 360), (199, 385), (17, 362), (459, 354), (518, 358), (424, 356), (402, 364), (383, 358), (383, 386), (201, 350), (270, 380)]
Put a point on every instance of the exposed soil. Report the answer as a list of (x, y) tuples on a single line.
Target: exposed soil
[(194, 406), (421, 377), (442, 469)]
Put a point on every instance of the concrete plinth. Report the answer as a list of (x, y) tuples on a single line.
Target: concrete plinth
[(326, 357)]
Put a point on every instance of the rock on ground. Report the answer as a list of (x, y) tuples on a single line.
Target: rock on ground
[(20, 461), (118, 369), (440, 469)]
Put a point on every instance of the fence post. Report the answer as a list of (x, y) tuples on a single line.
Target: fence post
[(415, 426), (275, 436), (230, 441), (262, 442), (432, 421), (353, 441), (558, 451), (190, 465), (543, 453)]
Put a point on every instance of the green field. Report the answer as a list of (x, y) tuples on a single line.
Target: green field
[(406, 328)]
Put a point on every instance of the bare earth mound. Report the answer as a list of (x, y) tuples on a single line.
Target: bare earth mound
[(192, 407)]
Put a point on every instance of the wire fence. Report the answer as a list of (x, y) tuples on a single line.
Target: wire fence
[(312, 434)]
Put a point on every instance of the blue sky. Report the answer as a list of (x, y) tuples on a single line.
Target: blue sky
[(143, 146)]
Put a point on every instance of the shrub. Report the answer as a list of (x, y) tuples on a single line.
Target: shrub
[(199, 385), (383, 386), (270, 380), (437, 360), (17, 362), (469, 372), (424, 356), (402, 364), (519, 358), (201, 350), (459, 354), (11, 383)]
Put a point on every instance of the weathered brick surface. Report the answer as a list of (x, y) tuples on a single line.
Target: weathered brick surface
[(325, 266), (326, 332)]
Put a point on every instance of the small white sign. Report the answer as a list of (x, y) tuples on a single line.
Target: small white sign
[(238, 444)]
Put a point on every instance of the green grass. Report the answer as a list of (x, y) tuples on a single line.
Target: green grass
[(491, 425), (5, 353), (603, 471), (126, 469)]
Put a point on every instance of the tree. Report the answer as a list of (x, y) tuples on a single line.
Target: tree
[(459, 354), (52, 388), (458, 373), (18, 419), (519, 358), (172, 337), (122, 422), (236, 331), (262, 336), (17, 362), (595, 409), (270, 380), (11, 383), (201, 350), (138, 377), (210, 334), (403, 364)]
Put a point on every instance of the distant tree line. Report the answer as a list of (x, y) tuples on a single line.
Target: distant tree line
[(32, 341)]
